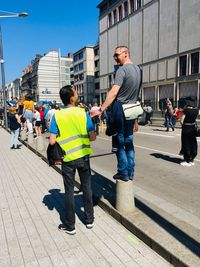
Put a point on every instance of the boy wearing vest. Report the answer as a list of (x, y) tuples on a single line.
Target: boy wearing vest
[(72, 128)]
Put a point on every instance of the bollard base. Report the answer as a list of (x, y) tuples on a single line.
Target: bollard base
[(23, 135), (40, 143), (124, 196), (30, 138)]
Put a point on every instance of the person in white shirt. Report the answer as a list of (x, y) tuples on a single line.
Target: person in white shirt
[(37, 121), (50, 114)]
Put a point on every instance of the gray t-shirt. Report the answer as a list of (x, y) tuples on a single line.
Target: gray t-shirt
[(128, 78)]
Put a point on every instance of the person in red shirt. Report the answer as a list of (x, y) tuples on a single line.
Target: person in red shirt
[(41, 111)]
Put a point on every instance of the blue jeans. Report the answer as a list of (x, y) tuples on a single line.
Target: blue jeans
[(68, 172), (169, 123), (14, 137), (125, 153)]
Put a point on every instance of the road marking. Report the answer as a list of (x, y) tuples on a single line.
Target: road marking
[(160, 135), (151, 149)]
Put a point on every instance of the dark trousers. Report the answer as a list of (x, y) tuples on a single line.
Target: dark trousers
[(189, 142), (68, 172)]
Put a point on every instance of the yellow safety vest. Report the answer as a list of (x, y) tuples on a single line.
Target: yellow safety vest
[(73, 136)]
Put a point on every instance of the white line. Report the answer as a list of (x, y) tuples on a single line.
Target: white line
[(167, 136), (151, 149)]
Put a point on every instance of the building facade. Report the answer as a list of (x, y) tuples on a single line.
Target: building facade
[(46, 75), (163, 38), (84, 73)]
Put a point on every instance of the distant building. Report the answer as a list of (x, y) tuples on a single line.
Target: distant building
[(84, 71), (13, 89), (96, 74), (46, 74), (164, 39)]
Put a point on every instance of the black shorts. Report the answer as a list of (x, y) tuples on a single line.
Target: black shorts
[(37, 123)]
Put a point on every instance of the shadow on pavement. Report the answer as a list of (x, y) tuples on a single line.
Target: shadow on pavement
[(159, 130), (55, 200), (166, 157), (103, 187), (181, 236)]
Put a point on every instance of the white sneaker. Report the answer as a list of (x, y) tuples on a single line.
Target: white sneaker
[(192, 163), (90, 225), (186, 164)]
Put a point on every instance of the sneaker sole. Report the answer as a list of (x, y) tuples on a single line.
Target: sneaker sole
[(89, 226), (73, 232)]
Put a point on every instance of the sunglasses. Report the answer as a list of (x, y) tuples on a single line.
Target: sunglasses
[(116, 55)]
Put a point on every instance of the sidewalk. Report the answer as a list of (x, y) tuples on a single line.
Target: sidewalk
[(31, 206), (169, 231)]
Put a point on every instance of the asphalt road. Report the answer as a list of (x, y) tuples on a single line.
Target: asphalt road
[(158, 177)]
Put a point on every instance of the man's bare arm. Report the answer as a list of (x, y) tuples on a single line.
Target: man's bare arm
[(92, 136), (52, 139), (109, 99)]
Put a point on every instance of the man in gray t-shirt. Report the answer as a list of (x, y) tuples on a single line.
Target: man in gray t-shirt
[(128, 78), (124, 90)]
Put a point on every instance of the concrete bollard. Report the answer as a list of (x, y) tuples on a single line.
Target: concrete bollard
[(30, 138), (39, 143), (23, 134), (124, 196)]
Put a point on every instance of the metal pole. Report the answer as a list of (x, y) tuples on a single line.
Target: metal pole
[(3, 80)]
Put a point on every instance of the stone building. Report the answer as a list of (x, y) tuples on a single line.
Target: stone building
[(164, 39), (46, 74)]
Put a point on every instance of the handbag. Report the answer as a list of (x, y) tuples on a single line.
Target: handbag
[(132, 111), (55, 154)]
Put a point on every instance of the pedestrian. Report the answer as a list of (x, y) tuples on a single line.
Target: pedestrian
[(50, 114), (38, 122), (41, 110), (95, 120), (28, 112), (20, 112), (176, 116), (149, 111), (125, 90), (1, 115), (15, 124), (168, 115), (188, 135), (72, 128)]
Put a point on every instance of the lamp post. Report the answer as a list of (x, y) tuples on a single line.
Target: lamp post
[(6, 15)]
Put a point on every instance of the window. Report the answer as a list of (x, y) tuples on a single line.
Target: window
[(96, 74), (80, 66), (109, 19), (195, 63), (96, 64), (96, 52), (125, 9), (76, 68), (75, 58), (115, 16), (182, 65), (139, 4), (96, 86), (120, 12), (132, 6), (81, 55)]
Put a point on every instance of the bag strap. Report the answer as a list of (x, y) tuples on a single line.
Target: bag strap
[(140, 86)]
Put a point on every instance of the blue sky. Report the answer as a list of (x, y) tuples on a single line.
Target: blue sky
[(65, 24)]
